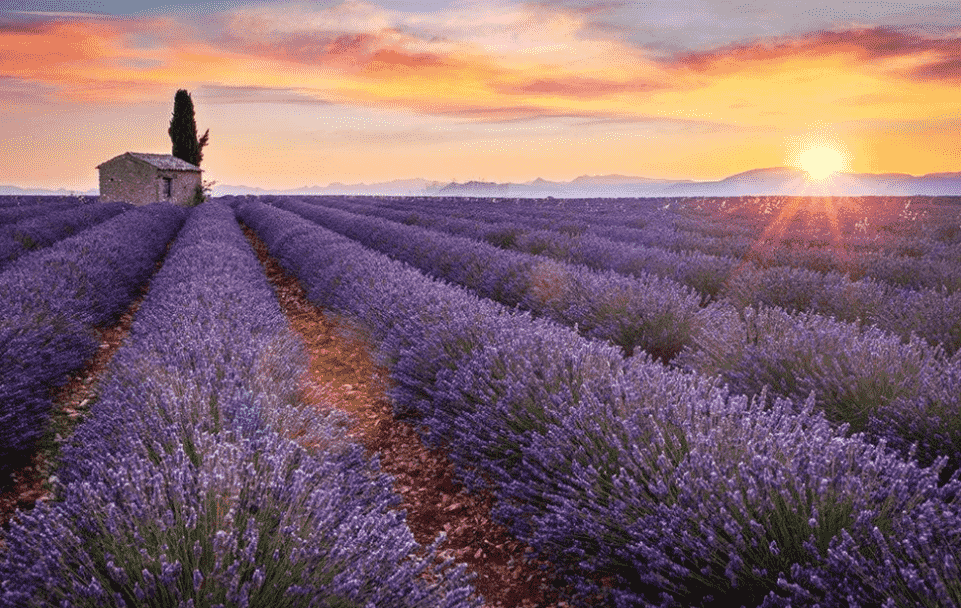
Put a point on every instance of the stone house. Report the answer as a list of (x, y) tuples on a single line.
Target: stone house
[(141, 179)]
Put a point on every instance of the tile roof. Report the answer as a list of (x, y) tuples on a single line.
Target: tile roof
[(167, 162)]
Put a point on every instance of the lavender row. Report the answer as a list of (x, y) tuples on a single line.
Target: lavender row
[(658, 480), (713, 226), (704, 273), (30, 200), (16, 213), (934, 315), (872, 380), (912, 264), (915, 262), (201, 479), (912, 226), (858, 237), (861, 226), (858, 254), (906, 393), (43, 230), (892, 246), (642, 312), (50, 302)]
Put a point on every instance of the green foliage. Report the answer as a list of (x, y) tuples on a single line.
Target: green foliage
[(183, 130), (202, 193), (26, 241)]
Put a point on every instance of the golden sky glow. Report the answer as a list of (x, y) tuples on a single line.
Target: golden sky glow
[(298, 93)]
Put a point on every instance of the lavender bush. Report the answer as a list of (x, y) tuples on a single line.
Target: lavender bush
[(657, 480), (41, 231), (230, 521), (927, 424), (783, 280), (50, 301), (643, 312), (873, 381), (202, 479), (731, 501), (16, 213)]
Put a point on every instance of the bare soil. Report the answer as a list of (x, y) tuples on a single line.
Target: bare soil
[(343, 374), (70, 402)]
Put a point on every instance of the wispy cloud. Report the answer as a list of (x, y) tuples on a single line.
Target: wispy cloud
[(225, 94), (948, 68), (579, 86), (471, 59), (614, 74), (47, 15), (901, 53)]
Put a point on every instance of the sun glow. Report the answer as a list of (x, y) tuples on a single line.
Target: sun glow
[(821, 162)]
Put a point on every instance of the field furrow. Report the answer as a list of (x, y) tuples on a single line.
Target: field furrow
[(930, 310), (50, 303), (202, 478), (342, 373), (312, 406), (659, 482), (71, 403)]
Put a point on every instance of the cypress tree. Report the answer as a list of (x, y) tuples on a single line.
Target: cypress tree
[(183, 130)]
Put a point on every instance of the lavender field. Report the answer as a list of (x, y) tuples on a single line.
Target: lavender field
[(675, 402)]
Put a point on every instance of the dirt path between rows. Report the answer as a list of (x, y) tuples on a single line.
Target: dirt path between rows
[(70, 402), (343, 374)]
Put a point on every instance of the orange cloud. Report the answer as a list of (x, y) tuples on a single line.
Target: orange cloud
[(947, 69), (346, 50), (927, 58), (580, 86), (84, 60), (37, 47), (388, 59), (491, 112), (523, 64)]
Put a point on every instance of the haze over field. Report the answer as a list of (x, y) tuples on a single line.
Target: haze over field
[(313, 93)]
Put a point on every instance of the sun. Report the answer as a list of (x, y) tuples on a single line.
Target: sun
[(821, 161)]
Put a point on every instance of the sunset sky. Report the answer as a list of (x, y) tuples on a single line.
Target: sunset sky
[(309, 93)]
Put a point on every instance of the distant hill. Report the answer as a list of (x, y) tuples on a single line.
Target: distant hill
[(790, 181), (586, 186), (756, 182), (16, 190), (397, 187), (483, 189)]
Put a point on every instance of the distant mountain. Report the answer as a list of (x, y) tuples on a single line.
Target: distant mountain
[(397, 187), (16, 190), (486, 189), (784, 181), (586, 186), (790, 181), (933, 184), (756, 182), (772, 180)]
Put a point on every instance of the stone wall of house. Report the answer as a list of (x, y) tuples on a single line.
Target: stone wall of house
[(138, 183), (183, 186)]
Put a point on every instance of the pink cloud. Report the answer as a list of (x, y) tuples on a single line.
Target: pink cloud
[(582, 87), (948, 69), (314, 48), (864, 44), (390, 58)]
